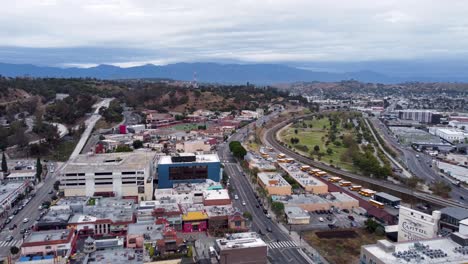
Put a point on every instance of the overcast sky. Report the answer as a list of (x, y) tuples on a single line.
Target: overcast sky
[(134, 32)]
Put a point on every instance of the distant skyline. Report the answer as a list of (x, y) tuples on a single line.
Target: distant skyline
[(296, 32)]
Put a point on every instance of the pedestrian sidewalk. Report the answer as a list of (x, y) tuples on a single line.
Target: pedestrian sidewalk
[(317, 258)]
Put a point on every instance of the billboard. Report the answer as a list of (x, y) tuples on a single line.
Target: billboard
[(416, 225)]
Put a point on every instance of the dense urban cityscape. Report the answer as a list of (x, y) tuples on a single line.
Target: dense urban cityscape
[(233, 132)]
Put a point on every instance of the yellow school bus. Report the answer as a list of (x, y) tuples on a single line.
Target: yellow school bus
[(334, 179), (355, 188), (320, 174), (376, 204), (281, 156), (305, 168), (345, 183), (366, 192)]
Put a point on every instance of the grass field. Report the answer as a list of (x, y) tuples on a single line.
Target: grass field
[(341, 250), (316, 135)]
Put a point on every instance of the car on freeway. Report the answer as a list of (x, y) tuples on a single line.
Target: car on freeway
[(25, 220), (236, 197), (243, 203)]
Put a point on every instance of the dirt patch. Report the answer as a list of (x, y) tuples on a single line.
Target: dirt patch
[(337, 234), (342, 249)]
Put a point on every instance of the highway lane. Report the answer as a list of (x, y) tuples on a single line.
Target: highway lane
[(423, 166), (270, 138)]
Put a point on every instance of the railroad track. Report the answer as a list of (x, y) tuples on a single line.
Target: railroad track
[(270, 138)]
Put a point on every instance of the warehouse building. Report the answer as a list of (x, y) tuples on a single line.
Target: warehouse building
[(386, 198)]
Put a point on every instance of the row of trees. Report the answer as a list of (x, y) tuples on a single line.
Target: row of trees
[(237, 149)]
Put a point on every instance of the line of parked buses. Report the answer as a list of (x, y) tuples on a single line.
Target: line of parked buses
[(282, 158)]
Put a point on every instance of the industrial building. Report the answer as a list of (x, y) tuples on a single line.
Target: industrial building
[(187, 168), (128, 175), (311, 202), (296, 215), (451, 217), (241, 248)]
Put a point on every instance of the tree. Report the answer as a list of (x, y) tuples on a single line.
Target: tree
[(137, 144), (329, 151), (14, 250), (316, 148), (4, 163), (247, 215), (371, 225), (441, 188), (123, 148), (295, 131), (38, 169), (56, 185), (278, 208)]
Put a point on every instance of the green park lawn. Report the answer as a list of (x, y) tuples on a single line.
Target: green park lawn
[(311, 137)]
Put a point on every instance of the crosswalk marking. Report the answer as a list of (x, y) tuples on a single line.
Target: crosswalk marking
[(282, 244), (10, 243)]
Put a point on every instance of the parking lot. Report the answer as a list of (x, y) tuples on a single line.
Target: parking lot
[(332, 219)]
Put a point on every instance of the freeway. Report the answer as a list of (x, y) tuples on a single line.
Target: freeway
[(419, 163), (269, 137), (29, 211), (90, 123), (281, 247)]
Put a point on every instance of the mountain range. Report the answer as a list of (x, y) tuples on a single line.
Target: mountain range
[(211, 72)]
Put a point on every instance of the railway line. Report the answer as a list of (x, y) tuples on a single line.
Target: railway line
[(269, 138)]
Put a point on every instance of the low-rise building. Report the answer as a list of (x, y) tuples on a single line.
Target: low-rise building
[(273, 183), (310, 183), (241, 248), (449, 134), (9, 194), (451, 217), (296, 215), (312, 202), (57, 243), (416, 225)]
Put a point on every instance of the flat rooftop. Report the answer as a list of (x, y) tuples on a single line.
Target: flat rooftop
[(205, 158), (114, 209), (222, 194), (272, 179), (47, 236), (216, 210), (240, 240), (388, 252), (115, 256), (295, 212), (303, 178), (150, 230), (108, 162), (9, 188), (388, 197), (312, 198)]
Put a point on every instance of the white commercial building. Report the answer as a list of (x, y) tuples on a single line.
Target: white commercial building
[(114, 174), (415, 225), (449, 134), (9, 193), (442, 250)]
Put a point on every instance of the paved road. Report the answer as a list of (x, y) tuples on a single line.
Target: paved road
[(30, 211), (281, 247), (270, 138), (422, 166), (90, 123)]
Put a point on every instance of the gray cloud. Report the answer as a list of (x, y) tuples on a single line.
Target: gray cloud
[(129, 32)]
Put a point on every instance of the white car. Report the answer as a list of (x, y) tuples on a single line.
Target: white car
[(321, 219), (236, 197), (243, 203), (25, 220)]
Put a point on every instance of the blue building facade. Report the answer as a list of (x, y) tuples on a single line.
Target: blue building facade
[(196, 170)]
